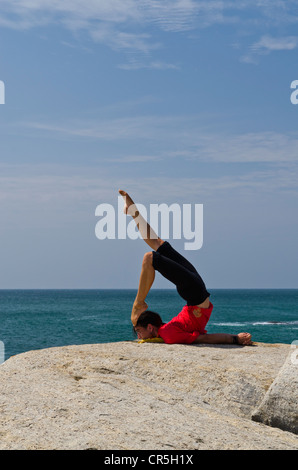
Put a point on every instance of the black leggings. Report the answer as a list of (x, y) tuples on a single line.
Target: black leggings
[(177, 269)]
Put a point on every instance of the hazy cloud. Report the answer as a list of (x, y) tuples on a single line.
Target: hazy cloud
[(124, 24), (269, 43), (180, 137)]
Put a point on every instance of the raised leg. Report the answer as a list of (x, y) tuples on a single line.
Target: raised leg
[(148, 234)]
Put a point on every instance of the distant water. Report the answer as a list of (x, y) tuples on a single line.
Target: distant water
[(36, 319)]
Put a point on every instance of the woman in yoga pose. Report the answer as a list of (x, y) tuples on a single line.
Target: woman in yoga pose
[(189, 325)]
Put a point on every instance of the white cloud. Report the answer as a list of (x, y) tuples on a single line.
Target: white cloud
[(250, 147), (173, 16), (169, 15), (119, 40), (158, 128), (134, 64), (123, 25), (268, 43), (132, 25), (59, 190), (180, 136)]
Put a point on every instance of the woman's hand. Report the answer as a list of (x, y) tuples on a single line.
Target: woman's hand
[(137, 309)]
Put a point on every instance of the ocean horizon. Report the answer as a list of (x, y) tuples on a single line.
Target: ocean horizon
[(33, 319)]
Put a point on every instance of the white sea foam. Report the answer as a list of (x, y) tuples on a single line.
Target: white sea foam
[(255, 323)]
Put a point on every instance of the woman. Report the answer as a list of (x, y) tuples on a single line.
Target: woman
[(189, 325)]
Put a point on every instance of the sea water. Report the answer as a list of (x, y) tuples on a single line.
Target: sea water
[(36, 319)]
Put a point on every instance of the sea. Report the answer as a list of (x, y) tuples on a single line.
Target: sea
[(37, 319)]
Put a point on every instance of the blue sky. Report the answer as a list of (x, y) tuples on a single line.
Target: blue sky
[(175, 102)]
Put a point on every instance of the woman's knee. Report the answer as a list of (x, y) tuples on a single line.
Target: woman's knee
[(148, 258)]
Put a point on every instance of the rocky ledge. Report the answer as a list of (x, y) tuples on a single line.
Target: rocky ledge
[(130, 396)]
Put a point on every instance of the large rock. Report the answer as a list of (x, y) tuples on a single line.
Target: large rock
[(140, 396), (279, 406)]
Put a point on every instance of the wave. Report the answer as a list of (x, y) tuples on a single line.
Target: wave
[(276, 323), (254, 323)]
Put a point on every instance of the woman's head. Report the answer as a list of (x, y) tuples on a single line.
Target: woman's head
[(148, 324)]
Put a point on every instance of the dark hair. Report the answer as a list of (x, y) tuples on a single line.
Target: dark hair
[(149, 317)]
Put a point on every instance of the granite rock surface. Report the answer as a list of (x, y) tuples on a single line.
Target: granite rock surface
[(130, 396)]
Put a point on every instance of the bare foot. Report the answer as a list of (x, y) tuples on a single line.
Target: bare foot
[(129, 206), (244, 338)]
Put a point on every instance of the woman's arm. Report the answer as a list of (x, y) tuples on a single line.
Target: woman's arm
[(224, 338)]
